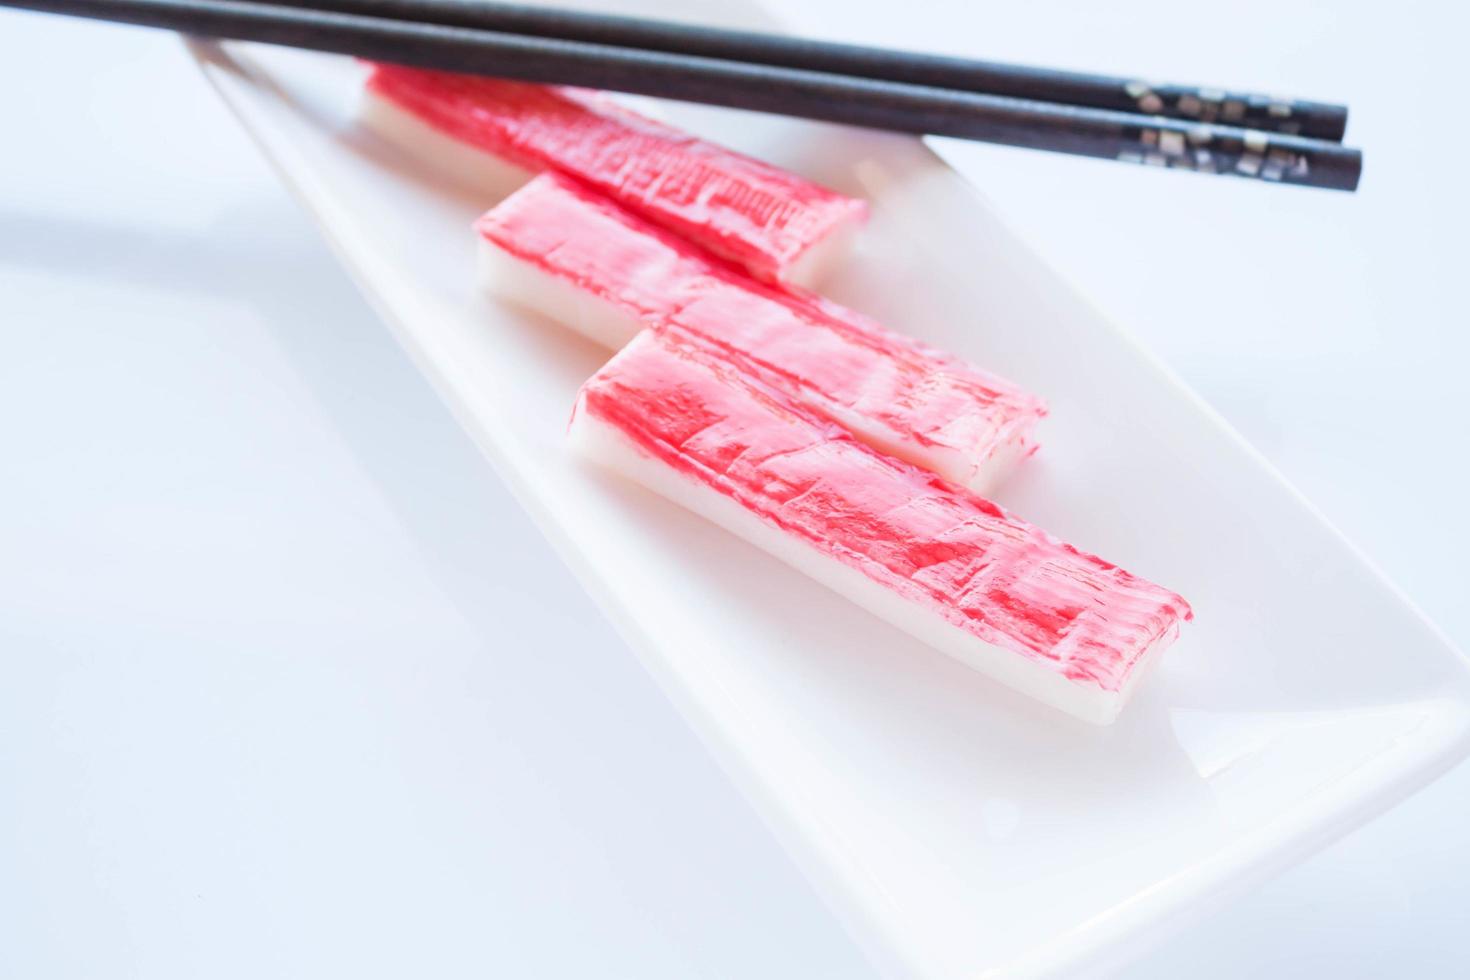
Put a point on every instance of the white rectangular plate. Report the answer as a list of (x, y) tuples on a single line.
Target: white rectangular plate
[(957, 828)]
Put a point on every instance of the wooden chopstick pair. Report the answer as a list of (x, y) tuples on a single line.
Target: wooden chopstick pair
[(1195, 103), (1285, 141)]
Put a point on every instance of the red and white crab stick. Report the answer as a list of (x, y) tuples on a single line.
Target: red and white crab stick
[(494, 134), (677, 414), (571, 254)]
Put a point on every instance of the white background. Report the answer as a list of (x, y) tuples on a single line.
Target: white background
[(263, 607)]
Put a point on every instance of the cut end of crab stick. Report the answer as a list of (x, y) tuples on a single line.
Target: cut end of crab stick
[(778, 226), (488, 176), (571, 254), (948, 567)]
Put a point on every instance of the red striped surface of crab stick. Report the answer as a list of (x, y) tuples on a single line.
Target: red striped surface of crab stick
[(573, 255), (672, 411), (495, 133)]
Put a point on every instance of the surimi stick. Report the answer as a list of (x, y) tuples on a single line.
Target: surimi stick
[(575, 256), (493, 134), (945, 565)]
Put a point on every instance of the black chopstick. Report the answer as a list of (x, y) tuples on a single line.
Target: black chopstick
[(1196, 103), (813, 95)]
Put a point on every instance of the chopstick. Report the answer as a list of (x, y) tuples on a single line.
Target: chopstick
[(794, 92), (1196, 103)]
